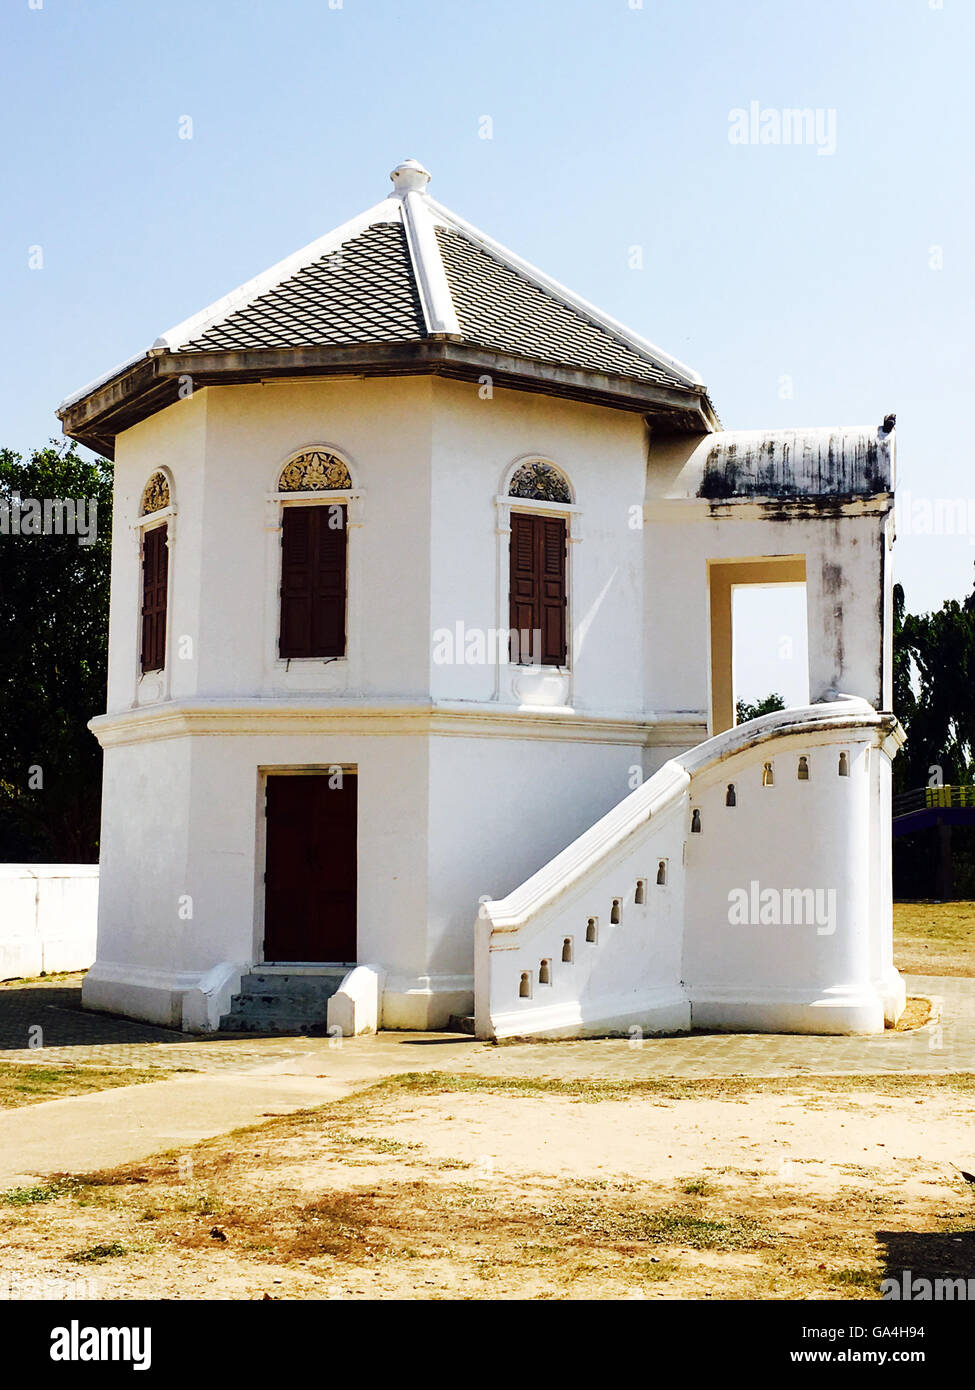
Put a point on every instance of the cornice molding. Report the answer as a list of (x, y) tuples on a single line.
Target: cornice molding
[(272, 716), (153, 382)]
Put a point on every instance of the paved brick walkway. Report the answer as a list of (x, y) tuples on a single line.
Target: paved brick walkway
[(70, 1035)]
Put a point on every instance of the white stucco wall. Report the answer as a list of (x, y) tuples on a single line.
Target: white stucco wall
[(224, 448), (442, 820), (48, 915), (777, 974), (471, 777), (844, 599), (499, 809), (428, 460), (476, 444)]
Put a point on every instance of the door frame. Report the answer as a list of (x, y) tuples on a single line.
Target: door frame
[(723, 576), (260, 858)]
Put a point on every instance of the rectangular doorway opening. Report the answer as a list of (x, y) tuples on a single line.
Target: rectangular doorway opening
[(310, 878), (758, 637), (769, 647)]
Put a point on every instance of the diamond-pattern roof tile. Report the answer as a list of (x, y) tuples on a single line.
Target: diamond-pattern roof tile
[(501, 309), (363, 292)]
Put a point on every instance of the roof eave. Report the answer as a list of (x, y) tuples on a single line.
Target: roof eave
[(152, 383)]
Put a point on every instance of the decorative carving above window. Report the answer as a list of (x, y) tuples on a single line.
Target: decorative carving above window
[(314, 471), (541, 482), (156, 495)]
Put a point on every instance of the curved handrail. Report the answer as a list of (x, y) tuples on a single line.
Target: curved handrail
[(664, 790)]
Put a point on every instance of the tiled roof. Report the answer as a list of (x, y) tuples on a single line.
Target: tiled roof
[(499, 308), (363, 292), (410, 274)]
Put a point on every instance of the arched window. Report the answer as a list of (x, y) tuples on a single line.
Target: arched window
[(156, 498), (314, 556), (155, 495), (540, 481), (315, 470), (537, 588)]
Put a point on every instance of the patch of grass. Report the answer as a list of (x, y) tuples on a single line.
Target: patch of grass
[(698, 1187), (98, 1254), (201, 1204), (935, 938), (42, 1192), (337, 1224), (672, 1088), (651, 1271), (689, 1228), (381, 1145), (24, 1084), (685, 1225), (56, 977), (855, 1278)]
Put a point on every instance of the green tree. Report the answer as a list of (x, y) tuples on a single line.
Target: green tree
[(745, 711), (53, 651), (934, 669), (934, 690)]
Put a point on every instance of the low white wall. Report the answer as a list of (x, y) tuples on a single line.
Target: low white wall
[(48, 917)]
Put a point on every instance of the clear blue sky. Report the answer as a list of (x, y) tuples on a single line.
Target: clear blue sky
[(610, 130)]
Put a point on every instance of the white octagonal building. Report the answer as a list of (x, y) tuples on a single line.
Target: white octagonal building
[(421, 700)]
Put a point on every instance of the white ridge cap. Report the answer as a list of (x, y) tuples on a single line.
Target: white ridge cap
[(439, 312), (409, 177)]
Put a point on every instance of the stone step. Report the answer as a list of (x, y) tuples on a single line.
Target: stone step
[(267, 1005), (273, 1001), (280, 1023), (267, 982)]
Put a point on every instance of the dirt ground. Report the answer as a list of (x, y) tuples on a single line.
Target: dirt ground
[(935, 938), (432, 1186), (440, 1186)]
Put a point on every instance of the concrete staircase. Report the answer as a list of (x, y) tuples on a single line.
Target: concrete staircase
[(282, 999)]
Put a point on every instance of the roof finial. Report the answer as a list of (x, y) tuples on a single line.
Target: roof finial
[(410, 177)]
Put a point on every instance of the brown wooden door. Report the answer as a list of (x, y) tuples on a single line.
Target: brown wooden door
[(310, 877)]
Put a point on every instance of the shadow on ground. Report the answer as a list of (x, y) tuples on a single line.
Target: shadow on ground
[(57, 1011), (928, 1255)]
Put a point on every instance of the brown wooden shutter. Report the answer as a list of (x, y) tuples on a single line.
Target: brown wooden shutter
[(523, 588), (155, 594), (313, 581), (296, 549), (328, 608), (551, 588), (537, 592)]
